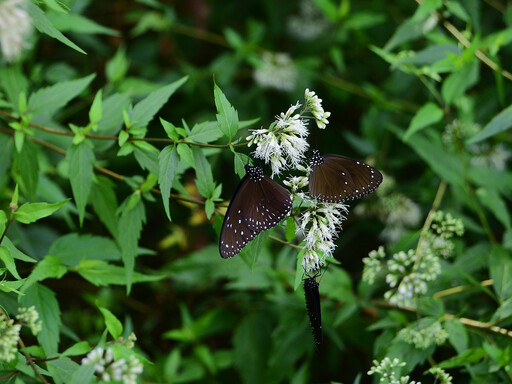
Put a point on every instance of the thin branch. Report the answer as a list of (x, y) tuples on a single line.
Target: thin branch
[(460, 288)]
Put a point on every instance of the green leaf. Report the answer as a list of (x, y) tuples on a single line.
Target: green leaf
[(80, 159), (6, 155), (204, 176), (455, 85), (411, 29), (104, 203), (499, 123), (427, 6), (186, 154), (44, 25), (170, 130), (129, 229), (15, 252), (80, 348), (470, 356), (8, 260), (13, 83), (3, 221), (116, 68), (429, 114), (500, 269), (103, 274), (291, 229), (72, 248), (168, 164), (43, 299), (227, 116), (62, 370), (31, 212), (114, 326), (147, 108), (209, 208), (96, 111), (48, 268), (240, 159), (457, 335), (28, 166), (112, 120), (205, 132), (73, 22), (46, 101), (496, 205), (83, 375)]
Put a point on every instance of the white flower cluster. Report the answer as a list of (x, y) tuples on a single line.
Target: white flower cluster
[(15, 27), (108, 369), (441, 375), (313, 104), (387, 370), (408, 274), (30, 317), (423, 336), (9, 336), (276, 71), (490, 156), (284, 143), (309, 23), (320, 223)]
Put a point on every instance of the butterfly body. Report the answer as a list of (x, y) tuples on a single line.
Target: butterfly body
[(336, 178), (258, 204), (313, 308)]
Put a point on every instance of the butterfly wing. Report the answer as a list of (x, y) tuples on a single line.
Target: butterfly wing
[(330, 181), (235, 233), (255, 207), (270, 205), (313, 308), (366, 178), (340, 178)]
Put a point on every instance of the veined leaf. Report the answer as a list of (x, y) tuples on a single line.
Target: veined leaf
[(114, 326), (227, 116), (13, 83), (8, 260), (44, 25), (46, 101), (104, 203), (205, 132), (429, 114), (129, 228), (499, 123), (43, 299), (30, 212), (49, 267), (28, 167), (80, 159), (204, 176), (168, 163), (147, 108), (103, 274)]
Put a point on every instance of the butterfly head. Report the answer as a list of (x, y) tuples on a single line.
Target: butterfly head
[(255, 173), (316, 159)]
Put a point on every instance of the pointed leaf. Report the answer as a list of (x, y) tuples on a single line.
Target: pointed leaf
[(30, 212), (8, 261), (227, 116), (429, 114), (499, 123), (114, 326), (80, 159), (168, 163)]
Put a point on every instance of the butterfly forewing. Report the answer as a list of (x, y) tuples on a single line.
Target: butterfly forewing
[(259, 203), (335, 178)]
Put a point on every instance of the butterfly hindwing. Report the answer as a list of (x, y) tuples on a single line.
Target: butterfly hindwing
[(259, 203)]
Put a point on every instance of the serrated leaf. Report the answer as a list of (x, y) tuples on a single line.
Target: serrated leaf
[(104, 203), (31, 212), (43, 299), (46, 101), (147, 108), (499, 123), (114, 326), (103, 274), (49, 267), (129, 229), (500, 268), (205, 132), (8, 260), (62, 369), (204, 176), (168, 164), (72, 248), (227, 116), (28, 167), (429, 114), (73, 22), (170, 130), (43, 25), (240, 159), (147, 159), (470, 356), (186, 154), (80, 159)]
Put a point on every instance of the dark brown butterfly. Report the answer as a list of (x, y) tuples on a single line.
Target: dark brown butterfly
[(259, 203), (335, 178), (313, 307)]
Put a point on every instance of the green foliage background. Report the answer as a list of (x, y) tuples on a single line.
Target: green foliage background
[(112, 104)]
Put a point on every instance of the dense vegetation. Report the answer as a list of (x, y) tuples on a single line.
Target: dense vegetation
[(124, 129)]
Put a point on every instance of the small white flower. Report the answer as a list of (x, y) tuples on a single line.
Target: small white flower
[(15, 26), (9, 336), (276, 71), (309, 23), (30, 317)]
